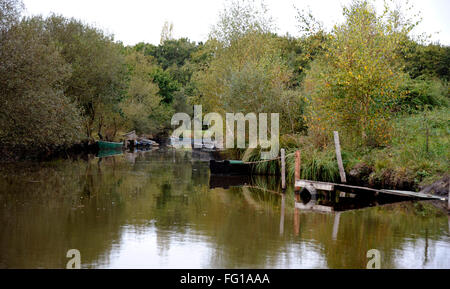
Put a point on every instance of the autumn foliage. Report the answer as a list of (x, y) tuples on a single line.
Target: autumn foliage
[(355, 84)]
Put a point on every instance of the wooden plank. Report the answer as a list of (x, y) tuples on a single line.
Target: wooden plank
[(331, 186), (339, 157), (325, 209), (283, 169), (317, 185), (314, 207)]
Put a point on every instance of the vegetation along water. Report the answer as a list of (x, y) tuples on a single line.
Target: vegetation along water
[(66, 85)]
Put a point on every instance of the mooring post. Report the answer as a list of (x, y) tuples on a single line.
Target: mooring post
[(283, 169), (339, 157), (298, 162)]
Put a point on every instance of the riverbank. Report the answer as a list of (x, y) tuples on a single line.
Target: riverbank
[(417, 156), (19, 154)]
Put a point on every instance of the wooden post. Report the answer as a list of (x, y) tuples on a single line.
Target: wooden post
[(339, 157), (298, 162), (283, 169)]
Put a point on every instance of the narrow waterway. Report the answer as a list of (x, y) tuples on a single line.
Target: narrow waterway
[(157, 209)]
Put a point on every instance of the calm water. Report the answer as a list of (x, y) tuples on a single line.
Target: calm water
[(156, 210)]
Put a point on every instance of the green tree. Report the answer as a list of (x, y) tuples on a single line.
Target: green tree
[(432, 60), (167, 85), (240, 17), (246, 70), (166, 32), (142, 101), (98, 68), (355, 83), (35, 114), (10, 11)]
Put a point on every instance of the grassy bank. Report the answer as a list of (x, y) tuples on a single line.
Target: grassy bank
[(418, 154)]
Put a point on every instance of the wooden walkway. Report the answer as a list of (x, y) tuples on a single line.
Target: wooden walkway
[(324, 186)]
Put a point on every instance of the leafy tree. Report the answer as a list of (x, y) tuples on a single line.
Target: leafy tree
[(300, 52), (10, 11), (355, 83), (167, 86), (246, 71), (432, 60), (169, 53), (142, 100), (35, 114), (98, 67), (166, 32), (240, 17)]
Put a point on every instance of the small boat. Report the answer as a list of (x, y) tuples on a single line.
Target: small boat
[(146, 142), (106, 145), (229, 167)]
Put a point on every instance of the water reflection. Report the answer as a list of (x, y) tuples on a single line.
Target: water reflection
[(337, 218), (158, 210), (283, 209)]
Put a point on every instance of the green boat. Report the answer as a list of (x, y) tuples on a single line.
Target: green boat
[(106, 145), (229, 167)]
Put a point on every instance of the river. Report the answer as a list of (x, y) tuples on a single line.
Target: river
[(156, 209)]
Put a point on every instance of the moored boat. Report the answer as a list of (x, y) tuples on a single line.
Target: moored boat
[(106, 145), (229, 167)]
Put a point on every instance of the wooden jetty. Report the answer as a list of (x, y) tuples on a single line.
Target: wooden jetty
[(324, 186), (312, 186)]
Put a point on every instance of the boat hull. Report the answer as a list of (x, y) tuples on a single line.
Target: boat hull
[(229, 168), (104, 145)]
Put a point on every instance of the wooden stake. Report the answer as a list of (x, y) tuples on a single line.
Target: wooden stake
[(298, 162), (283, 169), (339, 157)]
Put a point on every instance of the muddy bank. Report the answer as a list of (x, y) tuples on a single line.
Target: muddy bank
[(395, 179), (440, 187), (365, 175)]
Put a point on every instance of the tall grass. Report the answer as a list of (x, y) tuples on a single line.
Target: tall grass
[(420, 147), (418, 154), (315, 164)]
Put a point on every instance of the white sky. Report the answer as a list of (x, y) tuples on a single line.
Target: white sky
[(133, 21)]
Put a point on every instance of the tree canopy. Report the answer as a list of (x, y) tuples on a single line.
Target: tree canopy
[(63, 81)]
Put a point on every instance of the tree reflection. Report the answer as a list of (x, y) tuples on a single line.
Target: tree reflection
[(98, 206)]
